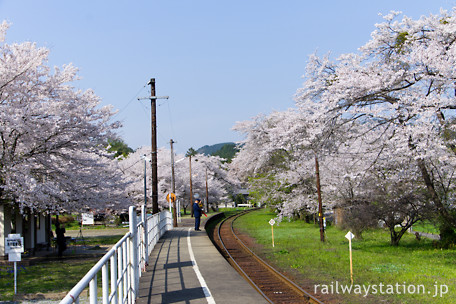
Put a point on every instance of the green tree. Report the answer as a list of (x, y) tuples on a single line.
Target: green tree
[(191, 152), (120, 148), (227, 152)]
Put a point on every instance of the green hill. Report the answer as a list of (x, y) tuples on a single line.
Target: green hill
[(224, 150), (208, 150)]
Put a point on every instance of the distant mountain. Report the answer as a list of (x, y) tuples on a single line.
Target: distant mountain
[(208, 150), (224, 150)]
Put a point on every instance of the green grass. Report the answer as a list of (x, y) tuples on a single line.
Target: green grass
[(58, 276), (298, 250)]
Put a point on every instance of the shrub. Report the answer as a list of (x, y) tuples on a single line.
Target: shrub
[(447, 236)]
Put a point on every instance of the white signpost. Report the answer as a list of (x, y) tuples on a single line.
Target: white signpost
[(272, 222), (349, 237), (87, 218), (14, 246)]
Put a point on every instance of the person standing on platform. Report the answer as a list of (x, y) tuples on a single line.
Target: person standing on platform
[(197, 211)]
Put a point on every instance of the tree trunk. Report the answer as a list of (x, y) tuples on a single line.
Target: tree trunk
[(434, 195), (396, 236)]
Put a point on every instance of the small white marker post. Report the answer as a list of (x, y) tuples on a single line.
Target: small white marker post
[(272, 222), (14, 247), (349, 237)]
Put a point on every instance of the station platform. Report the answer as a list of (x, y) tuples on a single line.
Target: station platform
[(185, 267)]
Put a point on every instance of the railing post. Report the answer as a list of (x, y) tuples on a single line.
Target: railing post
[(93, 296), (114, 287), (156, 228), (149, 234), (120, 267), (145, 238), (129, 278), (105, 283), (134, 279), (180, 215)]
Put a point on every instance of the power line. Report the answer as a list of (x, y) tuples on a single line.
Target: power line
[(131, 100), (171, 121), (128, 168)]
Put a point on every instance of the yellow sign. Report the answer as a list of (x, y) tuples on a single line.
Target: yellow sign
[(173, 197)]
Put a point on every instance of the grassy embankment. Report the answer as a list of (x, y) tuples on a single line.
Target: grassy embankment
[(414, 268)]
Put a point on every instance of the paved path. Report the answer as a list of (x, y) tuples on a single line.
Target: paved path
[(185, 267)]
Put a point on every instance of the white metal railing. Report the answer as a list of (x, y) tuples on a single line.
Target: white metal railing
[(122, 266)]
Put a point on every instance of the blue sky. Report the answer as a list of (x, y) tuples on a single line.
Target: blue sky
[(219, 61)]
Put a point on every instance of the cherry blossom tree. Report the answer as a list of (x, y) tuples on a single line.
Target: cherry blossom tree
[(277, 160), (381, 122), (53, 137), (375, 187), (402, 80)]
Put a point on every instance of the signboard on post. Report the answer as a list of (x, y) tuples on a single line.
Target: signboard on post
[(87, 218), (14, 243), (349, 237), (272, 222), (14, 257), (171, 197), (14, 246)]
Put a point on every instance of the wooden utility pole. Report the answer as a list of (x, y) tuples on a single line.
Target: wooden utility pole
[(153, 127), (320, 207), (173, 184)]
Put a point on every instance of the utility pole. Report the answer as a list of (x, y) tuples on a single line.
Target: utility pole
[(320, 207), (153, 126), (173, 185)]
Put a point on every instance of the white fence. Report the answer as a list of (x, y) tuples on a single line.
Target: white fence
[(122, 266)]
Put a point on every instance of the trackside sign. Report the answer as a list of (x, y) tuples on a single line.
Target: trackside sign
[(14, 243)]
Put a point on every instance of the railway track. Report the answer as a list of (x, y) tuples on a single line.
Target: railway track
[(270, 283)]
